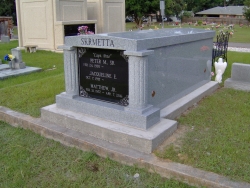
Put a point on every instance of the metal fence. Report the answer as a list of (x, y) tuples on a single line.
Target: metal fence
[(218, 20)]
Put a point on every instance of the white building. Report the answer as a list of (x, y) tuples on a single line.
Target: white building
[(45, 23), (223, 12)]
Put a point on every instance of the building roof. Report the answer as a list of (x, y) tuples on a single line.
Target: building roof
[(229, 10)]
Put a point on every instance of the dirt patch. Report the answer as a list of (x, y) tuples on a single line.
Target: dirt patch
[(175, 138)]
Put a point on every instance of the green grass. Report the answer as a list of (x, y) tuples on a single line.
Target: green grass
[(29, 160), (31, 92), (218, 138), (241, 34)]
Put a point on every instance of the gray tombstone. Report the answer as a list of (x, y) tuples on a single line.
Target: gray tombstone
[(1, 28), (240, 79), (4, 32), (5, 38), (17, 61), (6, 27)]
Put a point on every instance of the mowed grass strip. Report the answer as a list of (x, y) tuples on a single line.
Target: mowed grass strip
[(218, 138), (29, 160), (29, 93), (51, 64), (30, 97)]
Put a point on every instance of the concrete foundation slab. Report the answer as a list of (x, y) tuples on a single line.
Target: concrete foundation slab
[(5, 39), (6, 72), (240, 79), (238, 85), (143, 140), (128, 136)]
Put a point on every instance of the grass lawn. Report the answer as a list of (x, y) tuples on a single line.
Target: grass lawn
[(45, 84), (29, 160), (241, 34)]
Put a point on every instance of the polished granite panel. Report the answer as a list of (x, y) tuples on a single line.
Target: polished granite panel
[(174, 69)]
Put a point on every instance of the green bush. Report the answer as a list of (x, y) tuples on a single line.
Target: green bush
[(199, 22)]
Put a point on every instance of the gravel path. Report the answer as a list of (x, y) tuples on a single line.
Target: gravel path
[(239, 47), (236, 49)]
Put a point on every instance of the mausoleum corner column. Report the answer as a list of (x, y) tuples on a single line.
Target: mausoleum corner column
[(71, 70), (138, 79)]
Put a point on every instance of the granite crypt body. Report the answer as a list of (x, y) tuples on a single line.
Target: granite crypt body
[(128, 77)]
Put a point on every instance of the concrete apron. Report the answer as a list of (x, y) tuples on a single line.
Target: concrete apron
[(125, 155)]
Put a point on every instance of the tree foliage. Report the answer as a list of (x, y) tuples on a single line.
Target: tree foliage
[(200, 5), (185, 14), (246, 10), (196, 6), (8, 8), (174, 7), (140, 8), (236, 2)]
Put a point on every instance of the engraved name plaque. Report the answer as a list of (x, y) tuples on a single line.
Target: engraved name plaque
[(103, 75)]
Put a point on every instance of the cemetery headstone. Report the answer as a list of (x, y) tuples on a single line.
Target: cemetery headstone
[(17, 61), (5, 39), (2, 28), (4, 32), (117, 84), (240, 77), (6, 28)]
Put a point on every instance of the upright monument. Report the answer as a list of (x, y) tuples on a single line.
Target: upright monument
[(118, 84)]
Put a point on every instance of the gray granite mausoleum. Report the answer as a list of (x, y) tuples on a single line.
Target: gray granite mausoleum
[(126, 79)]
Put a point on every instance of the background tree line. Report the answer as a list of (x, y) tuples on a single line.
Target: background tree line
[(8, 8), (140, 8)]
